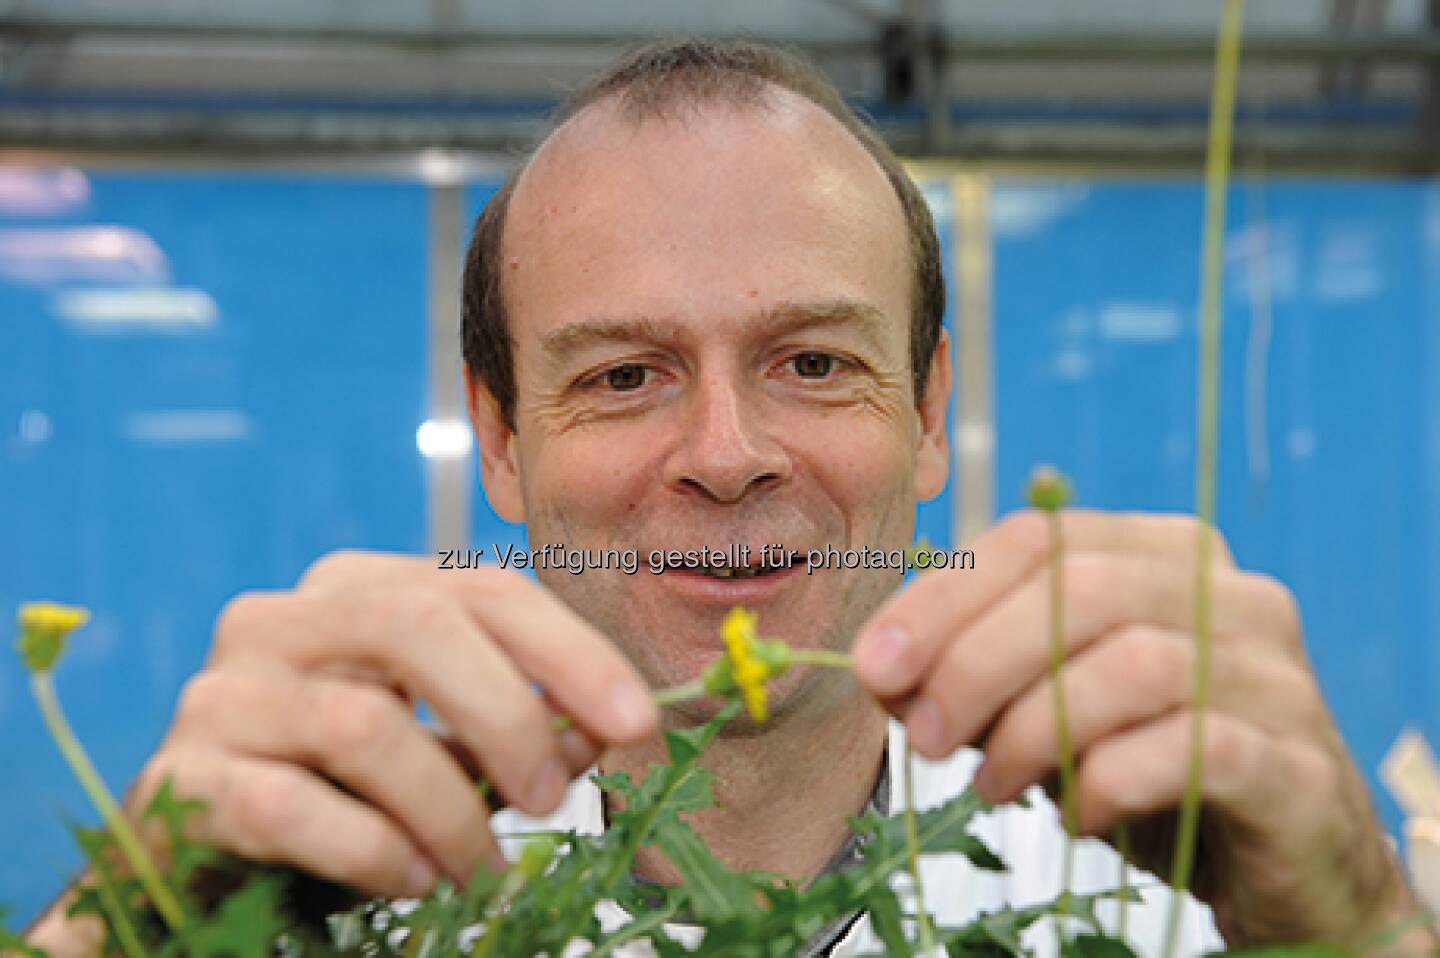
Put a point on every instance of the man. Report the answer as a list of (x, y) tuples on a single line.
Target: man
[(707, 312)]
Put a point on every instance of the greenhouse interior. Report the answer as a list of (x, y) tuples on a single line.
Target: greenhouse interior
[(946, 567)]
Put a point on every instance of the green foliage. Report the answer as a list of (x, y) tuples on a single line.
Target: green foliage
[(12, 944), (548, 899)]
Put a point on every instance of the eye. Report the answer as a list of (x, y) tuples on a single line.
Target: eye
[(812, 365), (625, 377)]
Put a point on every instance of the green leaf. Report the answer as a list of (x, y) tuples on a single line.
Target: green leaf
[(13, 944), (1000, 932), (884, 908), (715, 891), (245, 925), (171, 810), (1096, 946), (684, 745), (618, 782), (941, 830)]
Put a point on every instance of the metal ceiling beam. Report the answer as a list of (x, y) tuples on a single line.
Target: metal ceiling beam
[(1429, 117), (979, 145), (427, 39), (1390, 47)]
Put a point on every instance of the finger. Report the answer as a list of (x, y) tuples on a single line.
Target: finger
[(1132, 676), (427, 643), (903, 638), (366, 673), (579, 749), (588, 677), (1167, 537), (583, 673), (362, 737), (984, 666), (344, 569), (1251, 775), (897, 644), (274, 812)]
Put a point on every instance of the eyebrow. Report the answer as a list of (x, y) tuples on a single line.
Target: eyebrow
[(779, 320)]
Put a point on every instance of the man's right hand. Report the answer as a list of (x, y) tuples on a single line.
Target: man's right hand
[(300, 733)]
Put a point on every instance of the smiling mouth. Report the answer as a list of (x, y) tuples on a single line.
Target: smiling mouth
[(743, 572), (768, 563)]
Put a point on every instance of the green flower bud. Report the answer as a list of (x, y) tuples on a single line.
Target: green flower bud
[(774, 654), (1048, 489), (43, 628), (536, 856), (718, 678)]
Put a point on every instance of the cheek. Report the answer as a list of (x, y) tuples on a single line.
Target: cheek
[(867, 462), (584, 475)]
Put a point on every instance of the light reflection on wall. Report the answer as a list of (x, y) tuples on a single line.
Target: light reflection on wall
[(177, 426), (43, 256), (42, 192), (142, 309), (443, 438)]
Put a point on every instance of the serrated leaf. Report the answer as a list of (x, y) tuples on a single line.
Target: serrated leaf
[(684, 745), (246, 925), (618, 782), (940, 830), (715, 891), (13, 944), (171, 810), (1095, 946), (884, 909)]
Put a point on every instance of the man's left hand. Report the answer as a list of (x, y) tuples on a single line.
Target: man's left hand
[(1291, 851)]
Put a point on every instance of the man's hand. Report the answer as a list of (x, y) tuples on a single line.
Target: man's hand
[(300, 733), (1291, 849)]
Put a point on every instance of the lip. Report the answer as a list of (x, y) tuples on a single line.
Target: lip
[(698, 587)]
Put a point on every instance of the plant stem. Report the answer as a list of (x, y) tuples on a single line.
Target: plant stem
[(99, 795), (119, 921), (1057, 679), (825, 657), (1122, 845), (1217, 176), (633, 840), (634, 929), (499, 907), (693, 689), (912, 856)]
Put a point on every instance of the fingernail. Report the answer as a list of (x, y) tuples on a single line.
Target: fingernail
[(926, 727), (549, 786), (984, 782), (633, 711), (880, 657), (421, 878), (579, 753)]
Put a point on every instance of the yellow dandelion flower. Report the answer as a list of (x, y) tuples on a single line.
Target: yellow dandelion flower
[(43, 628), (748, 670)]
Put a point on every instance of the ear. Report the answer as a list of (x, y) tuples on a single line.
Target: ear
[(499, 467), (932, 449)]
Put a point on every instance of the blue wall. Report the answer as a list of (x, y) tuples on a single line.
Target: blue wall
[(1327, 475), (152, 471)]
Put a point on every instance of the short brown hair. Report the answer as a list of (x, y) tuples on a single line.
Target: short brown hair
[(657, 80)]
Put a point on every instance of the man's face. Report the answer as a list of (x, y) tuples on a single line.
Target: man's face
[(711, 322)]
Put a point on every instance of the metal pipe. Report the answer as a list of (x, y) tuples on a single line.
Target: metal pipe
[(1087, 46)]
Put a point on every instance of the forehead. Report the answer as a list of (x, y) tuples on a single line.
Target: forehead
[(675, 216)]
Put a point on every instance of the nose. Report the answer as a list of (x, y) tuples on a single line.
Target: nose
[(726, 452)]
